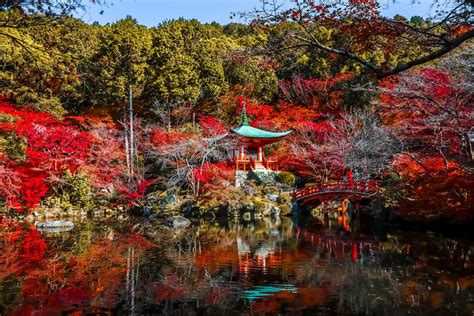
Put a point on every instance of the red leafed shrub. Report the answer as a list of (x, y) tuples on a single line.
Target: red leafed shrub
[(161, 137), (427, 103), (52, 147), (212, 172), (289, 115), (211, 126), (413, 169), (32, 188), (131, 196)]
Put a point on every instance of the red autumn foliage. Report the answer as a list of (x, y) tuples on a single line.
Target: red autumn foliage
[(322, 96), (90, 146), (34, 247), (52, 145), (212, 172), (162, 137), (33, 188), (460, 29), (51, 280), (284, 115), (211, 126), (428, 110), (430, 106)]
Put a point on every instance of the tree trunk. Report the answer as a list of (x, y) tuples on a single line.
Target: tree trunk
[(132, 143), (127, 149)]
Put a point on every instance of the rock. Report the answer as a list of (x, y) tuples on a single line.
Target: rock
[(248, 190), (99, 213), (272, 197), (55, 226), (258, 216), (180, 222), (209, 216), (170, 201), (240, 178), (285, 198), (150, 199), (188, 206), (146, 211)]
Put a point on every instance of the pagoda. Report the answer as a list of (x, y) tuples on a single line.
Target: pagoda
[(251, 155)]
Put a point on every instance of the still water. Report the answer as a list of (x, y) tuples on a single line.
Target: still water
[(273, 266)]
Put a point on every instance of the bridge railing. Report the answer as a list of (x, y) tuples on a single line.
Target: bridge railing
[(367, 186)]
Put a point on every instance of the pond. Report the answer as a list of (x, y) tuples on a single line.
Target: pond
[(272, 266)]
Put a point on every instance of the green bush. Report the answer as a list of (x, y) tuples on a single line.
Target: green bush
[(271, 189), (13, 146), (287, 178), (75, 193)]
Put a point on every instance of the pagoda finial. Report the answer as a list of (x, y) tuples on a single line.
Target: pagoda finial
[(245, 121)]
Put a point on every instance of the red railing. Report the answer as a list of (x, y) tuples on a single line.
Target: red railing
[(270, 164), (357, 187), (242, 164)]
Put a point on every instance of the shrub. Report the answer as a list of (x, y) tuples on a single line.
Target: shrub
[(287, 178), (284, 198), (74, 193), (260, 204), (285, 209), (271, 189), (13, 146)]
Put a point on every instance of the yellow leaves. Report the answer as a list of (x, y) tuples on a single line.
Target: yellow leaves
[(303, 60)]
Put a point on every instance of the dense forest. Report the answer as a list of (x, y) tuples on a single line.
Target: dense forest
[(385, 99)]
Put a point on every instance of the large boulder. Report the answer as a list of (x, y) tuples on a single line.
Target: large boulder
[(55, 226)]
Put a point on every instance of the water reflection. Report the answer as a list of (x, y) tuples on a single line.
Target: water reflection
[(268, 266)]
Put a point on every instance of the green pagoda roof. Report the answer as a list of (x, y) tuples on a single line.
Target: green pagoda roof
[(246, 130), (249, 131)]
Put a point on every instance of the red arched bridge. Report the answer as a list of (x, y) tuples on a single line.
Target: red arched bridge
[(360, 189)]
